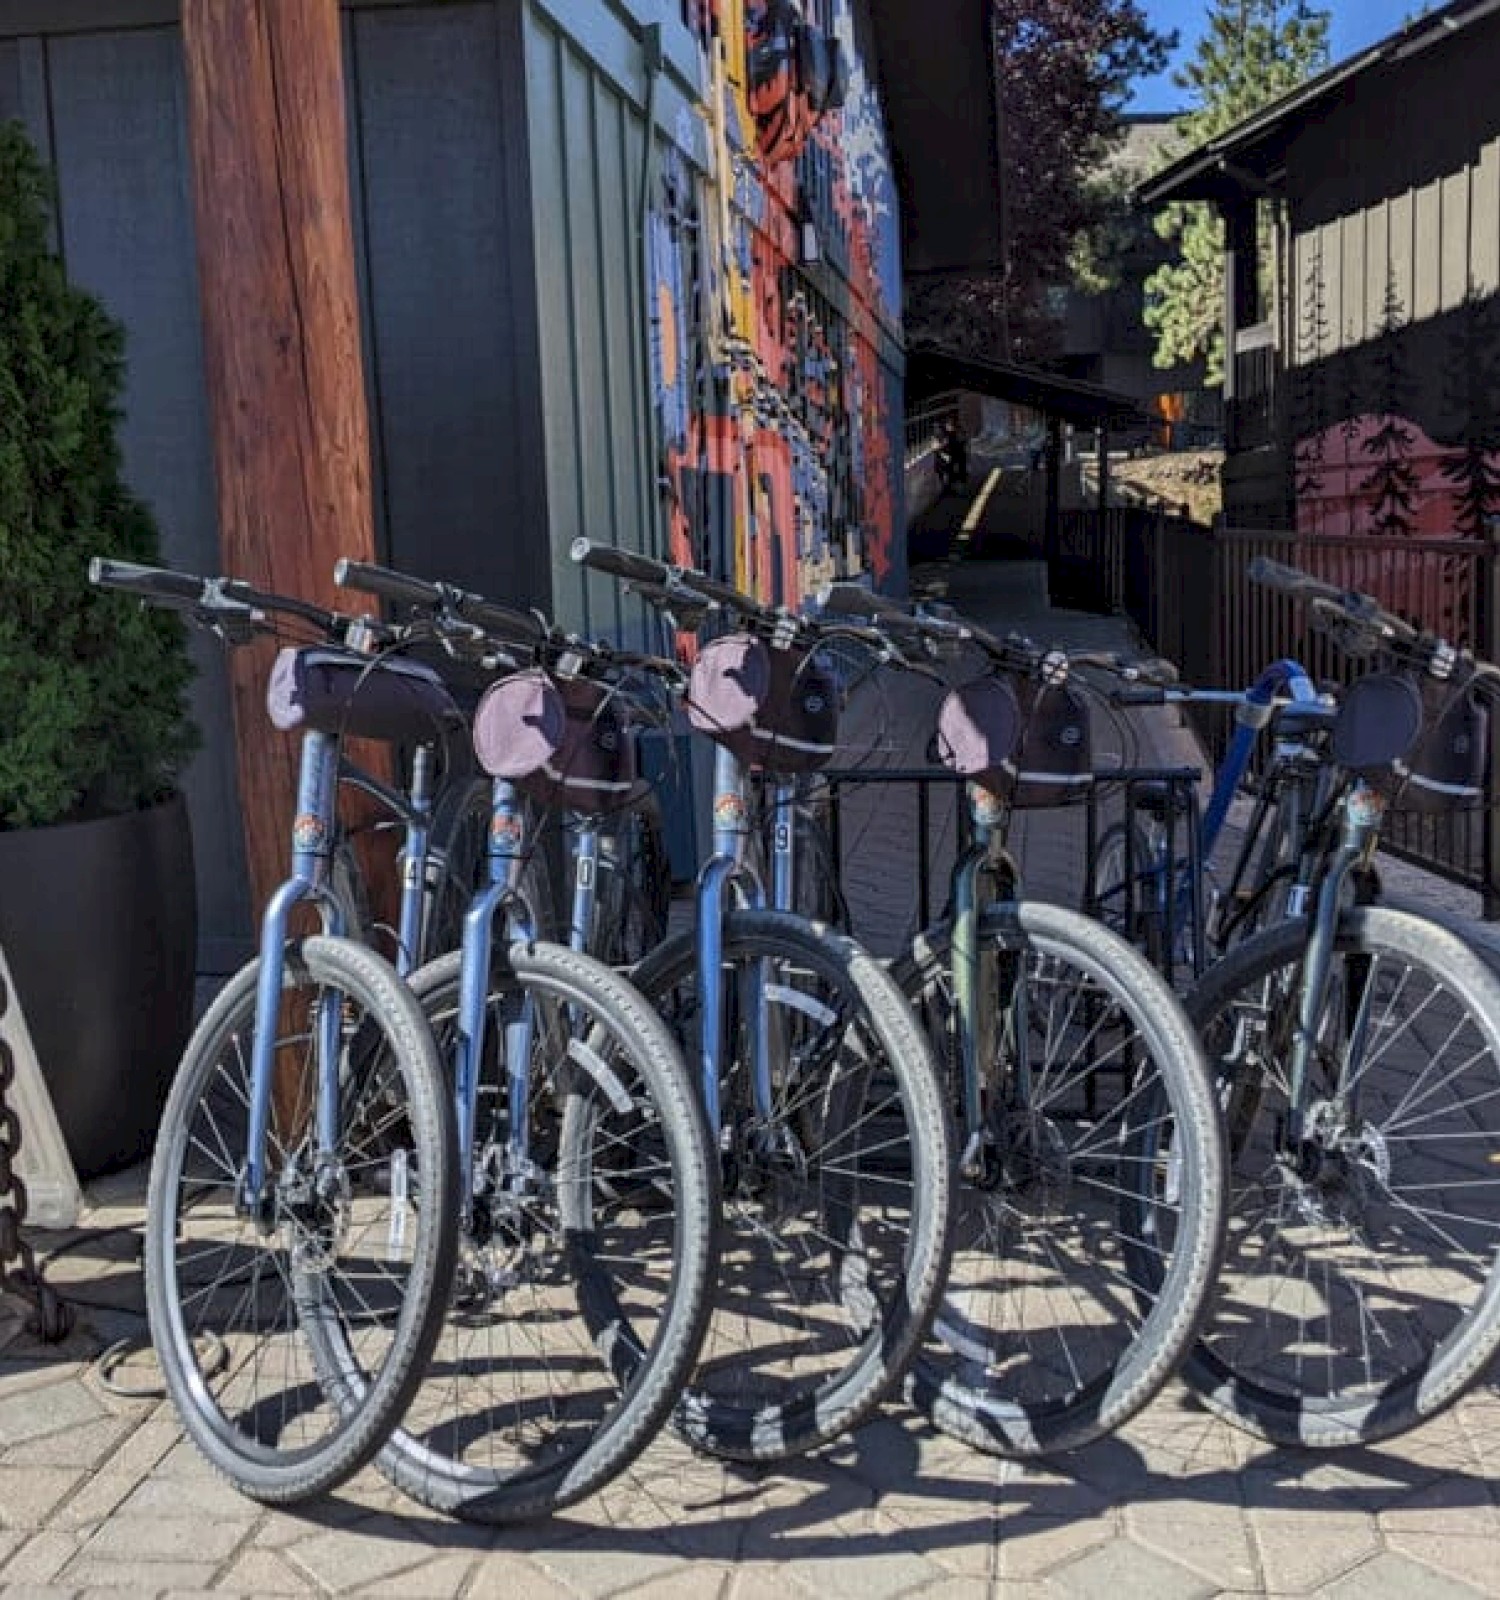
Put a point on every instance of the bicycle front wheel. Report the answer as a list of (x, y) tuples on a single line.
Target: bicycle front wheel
[(1360, 1291), (350, 1252), (836, 1194), (1091, 1205), (586, 1253)]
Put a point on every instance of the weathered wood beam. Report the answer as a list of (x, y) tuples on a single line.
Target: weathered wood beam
[(281, 340)]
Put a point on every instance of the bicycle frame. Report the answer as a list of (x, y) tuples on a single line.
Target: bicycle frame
[(1256, 706)]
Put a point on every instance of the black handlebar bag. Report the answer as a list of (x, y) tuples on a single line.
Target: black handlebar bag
[(1054, 765), (342, 692), (1421, 743), (1446, 771), (565, 743), (978, 726), (773, 708)]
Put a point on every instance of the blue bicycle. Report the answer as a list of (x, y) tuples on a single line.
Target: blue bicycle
[(1163, 894)]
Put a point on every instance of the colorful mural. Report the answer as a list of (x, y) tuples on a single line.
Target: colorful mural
[(1364, 462), (775, 300)]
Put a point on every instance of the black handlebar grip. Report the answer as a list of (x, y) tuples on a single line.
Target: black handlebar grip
[(500, 622), (668, 581), (1290, 580), (627, 564), (388, 585), (150, 582), (1141, 696)]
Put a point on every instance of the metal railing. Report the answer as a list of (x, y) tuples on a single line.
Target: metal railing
[(924, 425)]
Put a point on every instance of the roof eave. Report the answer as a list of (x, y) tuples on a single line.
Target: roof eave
[(1216, 169)]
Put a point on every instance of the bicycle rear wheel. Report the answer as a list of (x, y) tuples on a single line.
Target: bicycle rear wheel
[(1091, 1202), (584, 1269), (352, 1253), (1360, 1291), (836, 1205)]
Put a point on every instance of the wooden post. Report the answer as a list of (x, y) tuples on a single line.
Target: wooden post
[(281, 340)]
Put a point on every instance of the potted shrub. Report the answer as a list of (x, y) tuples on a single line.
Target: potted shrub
[(96, 880)]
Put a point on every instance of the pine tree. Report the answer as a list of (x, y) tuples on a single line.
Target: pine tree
[(92, 685), (1252, 52), (1064, 70), (1311, 388), (1392, 482), (1473, 385)]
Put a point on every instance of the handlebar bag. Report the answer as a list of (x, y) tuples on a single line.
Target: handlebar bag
[(327, 690), (563, 742), (1379, 721), (1054, 764), (1446, 771), (772, 708), (978, 726)]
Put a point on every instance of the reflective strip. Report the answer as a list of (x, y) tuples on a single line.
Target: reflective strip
[(611, 786), (1046, 777), (1422, 781), (813, 746)]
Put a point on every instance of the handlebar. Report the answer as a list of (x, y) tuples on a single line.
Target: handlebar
[(855, 602), (1292, 580), (1361, 610), (661, 582), (152, 583), (210, 598), (505, 623)]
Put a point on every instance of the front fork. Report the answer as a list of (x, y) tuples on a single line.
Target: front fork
[(976, 1016), (1363, 809), (726, 872), (313, 831), (504, 856)]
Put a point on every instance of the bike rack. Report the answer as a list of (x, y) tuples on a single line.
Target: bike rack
[(1180, 814), (925, 779)]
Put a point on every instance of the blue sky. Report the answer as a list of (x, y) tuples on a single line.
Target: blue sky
[(1356, 23)]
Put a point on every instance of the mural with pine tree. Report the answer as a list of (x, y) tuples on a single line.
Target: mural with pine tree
[(1393, 482)]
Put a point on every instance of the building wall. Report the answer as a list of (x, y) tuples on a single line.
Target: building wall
[(1393, 282), (742, 411), (544, 354)]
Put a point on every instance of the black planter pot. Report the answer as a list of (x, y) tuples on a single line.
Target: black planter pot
[(99, 924)]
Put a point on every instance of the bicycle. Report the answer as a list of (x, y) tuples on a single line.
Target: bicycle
[(298, 1216), (1140, 886), (1356, 1050), (587, 1245), (1091, 1203), (819, 1088)]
